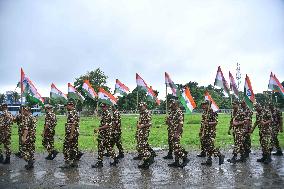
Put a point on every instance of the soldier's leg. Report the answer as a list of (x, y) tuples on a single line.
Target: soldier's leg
[(119, 146), (66, 151), (7, 146), (275, 142), (1, 155), (266, 148), (146, 154)]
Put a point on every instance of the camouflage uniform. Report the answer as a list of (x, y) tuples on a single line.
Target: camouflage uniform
[(177, 120), (18, 120), (170, 131), (275, 125), (70, 146), (104, 138), (238, 133), (209, 134), (143, 147), (6, 121), (247, 140), (116, 128), (29, 125), (264, 131), (201, 138), (48, 138)]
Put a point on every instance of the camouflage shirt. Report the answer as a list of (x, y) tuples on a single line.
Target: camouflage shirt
[(72, 119), (50, 122), (106, 120), (276, 117), (145, 118), (264, 115), (211, 117), (6, 121), (29, 124), (177, 119), (116, 121)]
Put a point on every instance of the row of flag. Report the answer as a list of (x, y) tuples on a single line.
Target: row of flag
[(184, 95)]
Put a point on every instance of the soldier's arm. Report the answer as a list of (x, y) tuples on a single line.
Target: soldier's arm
[(25, 133), (281, 122), (104, 127)]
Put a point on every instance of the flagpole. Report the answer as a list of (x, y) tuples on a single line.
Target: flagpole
[(166, 99), (137, 98)]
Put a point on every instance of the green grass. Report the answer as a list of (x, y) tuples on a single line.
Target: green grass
[(158, 134)]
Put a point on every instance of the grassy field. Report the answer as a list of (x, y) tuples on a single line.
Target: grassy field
[(158, 136)]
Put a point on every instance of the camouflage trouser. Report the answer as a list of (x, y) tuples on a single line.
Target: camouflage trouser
[(6, 141), (247, 140), (238, 142), (265, 141), (48, 143), (105, 143), (274, 138), (70, 149), (170, 140), (209, 146), (179, 151), (201, 141), (28, 150), (143, 147), (116, 140)]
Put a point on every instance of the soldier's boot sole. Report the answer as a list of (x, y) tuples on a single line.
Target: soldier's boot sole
[(168, 156), (278, 153), (54, 154)]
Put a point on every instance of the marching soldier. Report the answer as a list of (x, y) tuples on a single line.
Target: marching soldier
[(28, 124), (18, 120), (263, 121), (48, 132), (238, 126), (177, 126), (170, 131), (145, 152), (6, 121), (277, 126), (105, 137), (116, 135), (70, 146), (209, 122), (248, 126)]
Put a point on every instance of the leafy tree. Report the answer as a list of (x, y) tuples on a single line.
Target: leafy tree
[(2, 98), (16, 97), (97, 79)]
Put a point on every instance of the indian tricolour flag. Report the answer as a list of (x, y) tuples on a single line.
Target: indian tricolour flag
[(275, 85), (106, 97), (29, 90), (169, 83), (55, 93), (187, 100), (120, 88), (74, 94), (89, 90), (233, 85), (248, 93), (221, 82), (208, 97), (150, 92)]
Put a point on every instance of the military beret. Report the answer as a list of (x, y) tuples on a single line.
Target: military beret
[(206, 102), (48, 106), (71, 103), (104, 105)]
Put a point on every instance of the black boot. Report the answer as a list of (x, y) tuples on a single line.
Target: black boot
[(169, 155), (145, 164), (79, 155), (174, 164), (202, 154), (221, 159), (185, 161), (261, 159), (74, 164), (115, 162), (242, 158), (267, 159), (106, 155), (207, 162), (30, 165), (233, 159), (7, 160), (1, 158), (18, 154), (99, 164), (120, 155), (54, 154), (278, 153), (49, 156), (137, 158), (153, 153)]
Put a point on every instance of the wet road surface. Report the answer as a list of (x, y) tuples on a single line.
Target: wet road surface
[(47, 174)]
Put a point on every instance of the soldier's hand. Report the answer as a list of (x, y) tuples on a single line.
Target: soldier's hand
[(70, 137), (200, 134), (229, 132), (281, 130)]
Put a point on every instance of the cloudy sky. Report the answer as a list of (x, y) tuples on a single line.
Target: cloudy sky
[(59, 40)]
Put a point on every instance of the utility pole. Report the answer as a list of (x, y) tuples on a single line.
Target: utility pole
[(238, 75)]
